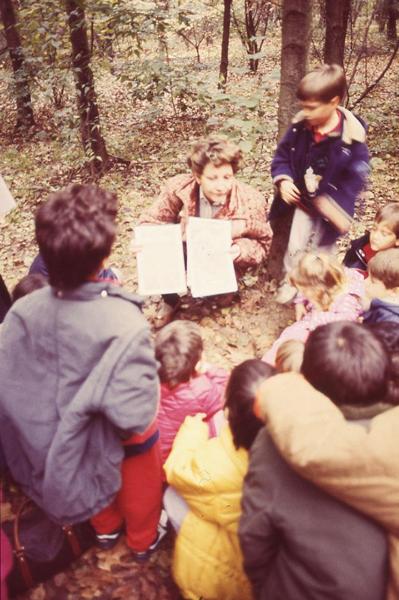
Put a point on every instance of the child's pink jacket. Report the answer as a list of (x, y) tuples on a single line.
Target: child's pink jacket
[(202, 394), (346, 307)]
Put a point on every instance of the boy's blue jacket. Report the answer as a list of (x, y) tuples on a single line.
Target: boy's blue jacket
[(381, 311), (341, 160)]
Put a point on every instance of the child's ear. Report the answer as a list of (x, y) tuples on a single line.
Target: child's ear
[(396, 242), (335, 101)]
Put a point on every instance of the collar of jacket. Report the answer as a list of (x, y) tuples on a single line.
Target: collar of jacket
[(93, 289), (358, 413), (188, 191), (352, 129)]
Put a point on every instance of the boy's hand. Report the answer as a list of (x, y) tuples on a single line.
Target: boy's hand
[(289, 192)]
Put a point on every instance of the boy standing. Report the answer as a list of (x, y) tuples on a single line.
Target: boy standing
[(78, 375), (211, 191), (319, 168)]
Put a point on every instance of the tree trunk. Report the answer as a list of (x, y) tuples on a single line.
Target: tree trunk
[(294, 59), (391, 21), (224, 58), (251, 35), (22, 91), (337, 13), (93, 142)]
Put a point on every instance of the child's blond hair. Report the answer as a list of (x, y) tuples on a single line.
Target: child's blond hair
[(216, 151), (178, 348), (289, 356), (321, 273)]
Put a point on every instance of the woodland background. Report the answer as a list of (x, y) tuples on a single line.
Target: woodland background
[(116, 91)]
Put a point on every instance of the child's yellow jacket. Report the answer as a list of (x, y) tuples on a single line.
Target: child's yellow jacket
[(209, 474)]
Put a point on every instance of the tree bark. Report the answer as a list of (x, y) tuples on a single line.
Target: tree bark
[(391, 21), (294, 59), (224, 58), (22, 90), (92, 140), (337, 13)]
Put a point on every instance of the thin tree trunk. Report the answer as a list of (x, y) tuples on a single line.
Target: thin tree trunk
[(391, 21), (294, 59), (22, 90), (337, 13), (224, 59), (92, 140)]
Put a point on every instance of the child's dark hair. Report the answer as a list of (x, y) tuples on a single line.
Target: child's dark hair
[(241, 389), (216, 151), (75, 230), (346, 362), (388, 333), (323, 84), (27, 285), (389, 214), (384, 266), (178, 348)]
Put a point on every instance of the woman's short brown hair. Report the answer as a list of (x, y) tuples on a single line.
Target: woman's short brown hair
[(323, 84), (178, 348), (216, 151)]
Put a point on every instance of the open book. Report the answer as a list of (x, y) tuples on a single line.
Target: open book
[(160, 262), (7, 202)]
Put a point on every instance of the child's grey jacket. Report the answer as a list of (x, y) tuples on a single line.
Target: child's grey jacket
[(76, 369)]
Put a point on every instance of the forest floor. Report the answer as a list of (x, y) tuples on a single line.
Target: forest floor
[(37, 164)]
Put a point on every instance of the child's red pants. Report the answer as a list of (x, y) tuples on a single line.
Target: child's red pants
[(138, 502)]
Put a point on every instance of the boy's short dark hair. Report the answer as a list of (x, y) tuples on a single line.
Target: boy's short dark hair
[(389, 214), (346, 362), (216, 151), (75, 230), (384, 267), (27, 285), (241, 389), (323, 84), (178, 348), (388, 333)]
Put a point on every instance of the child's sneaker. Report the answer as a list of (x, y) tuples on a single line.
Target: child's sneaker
[(162, 531), (106, 541)]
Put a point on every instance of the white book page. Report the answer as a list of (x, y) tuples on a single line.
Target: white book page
[(210, 268), (160, 262), (7, 202)]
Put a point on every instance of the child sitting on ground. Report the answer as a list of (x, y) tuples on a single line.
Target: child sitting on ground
[(89, 381), (383, 235), (298, 542), (211, 191), (187, 387), (382, 287), (327, 292)]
